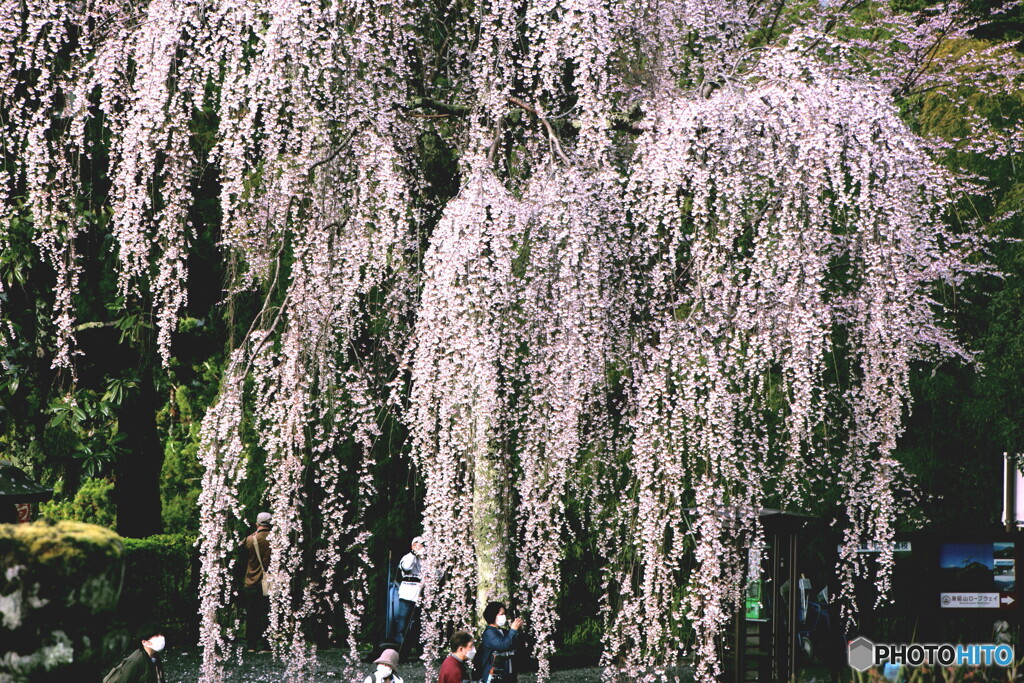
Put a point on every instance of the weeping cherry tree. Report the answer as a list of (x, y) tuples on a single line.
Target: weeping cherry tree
[(692, 258)]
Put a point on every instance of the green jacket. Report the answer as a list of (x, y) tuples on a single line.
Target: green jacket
[(137, 668)]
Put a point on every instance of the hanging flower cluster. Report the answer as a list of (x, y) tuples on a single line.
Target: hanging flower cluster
[(571, 313), (316, 160), (457, 388), (832, 231), (516, 294), (36, 97)]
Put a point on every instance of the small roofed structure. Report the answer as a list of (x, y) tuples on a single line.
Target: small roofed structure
[(17, 487), (17, 492)]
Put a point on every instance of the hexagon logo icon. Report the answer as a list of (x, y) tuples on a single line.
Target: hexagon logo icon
[(861, 654)]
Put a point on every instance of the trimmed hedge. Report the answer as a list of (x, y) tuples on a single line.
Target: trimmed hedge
[(161, 584)]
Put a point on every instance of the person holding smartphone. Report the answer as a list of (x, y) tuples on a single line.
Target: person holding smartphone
[(498, 645)]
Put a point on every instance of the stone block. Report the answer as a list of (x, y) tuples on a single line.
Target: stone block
[(59, 587)]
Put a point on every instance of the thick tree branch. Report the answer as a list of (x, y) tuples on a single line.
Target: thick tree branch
[(624, 123), (547, 126), (441, 107), (94, 325), (344, 145)]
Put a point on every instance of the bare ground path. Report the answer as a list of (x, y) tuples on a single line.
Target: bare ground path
[(183, 667)]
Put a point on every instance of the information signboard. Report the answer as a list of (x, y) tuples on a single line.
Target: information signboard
[(979, 575)]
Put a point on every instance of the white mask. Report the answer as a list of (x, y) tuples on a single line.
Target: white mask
[(157, 643), (471, 654), (384, 670), (501, 620)]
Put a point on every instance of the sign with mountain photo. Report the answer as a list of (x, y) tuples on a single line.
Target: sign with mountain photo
[(977, 575)]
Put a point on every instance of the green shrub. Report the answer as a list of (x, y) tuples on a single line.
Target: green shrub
[(181, 513), (181, 474), (93, 503), (180, 480), (161, 583)]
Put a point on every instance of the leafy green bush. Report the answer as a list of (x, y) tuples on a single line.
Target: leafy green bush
[(181, 474), (180, 480), (93, 503), (161, 578)]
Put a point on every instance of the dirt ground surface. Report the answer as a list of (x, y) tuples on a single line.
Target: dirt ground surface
[(183, 667)]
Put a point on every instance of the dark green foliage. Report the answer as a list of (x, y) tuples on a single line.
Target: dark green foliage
[(580, 595), (965, 417), (179, 422), (92, 503), (161, 584)]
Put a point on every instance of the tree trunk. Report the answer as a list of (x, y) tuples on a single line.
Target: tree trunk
[(137, 491), (491, 529)]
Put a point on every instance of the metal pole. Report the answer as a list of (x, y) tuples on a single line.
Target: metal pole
[(794, 597), (776, 609), (741, 624), (741, 644), (389, 611)]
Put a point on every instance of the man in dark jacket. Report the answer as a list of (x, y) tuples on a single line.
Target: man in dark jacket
[(143, 665), (256, 550)]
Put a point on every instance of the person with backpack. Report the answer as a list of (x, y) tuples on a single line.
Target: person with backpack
[(387, 668), (497, 645), (143, 665), (256, 551)]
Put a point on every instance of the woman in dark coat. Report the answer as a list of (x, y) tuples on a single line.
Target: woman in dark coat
[(497, 644)]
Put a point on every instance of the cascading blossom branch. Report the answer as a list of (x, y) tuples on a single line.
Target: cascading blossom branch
[(314, 165), (569, 323), (458, 387), (782, 217)]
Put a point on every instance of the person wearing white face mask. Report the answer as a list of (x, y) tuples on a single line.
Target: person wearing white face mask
[(142, 665), (455, 667), (498, 645), (387, 669)]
